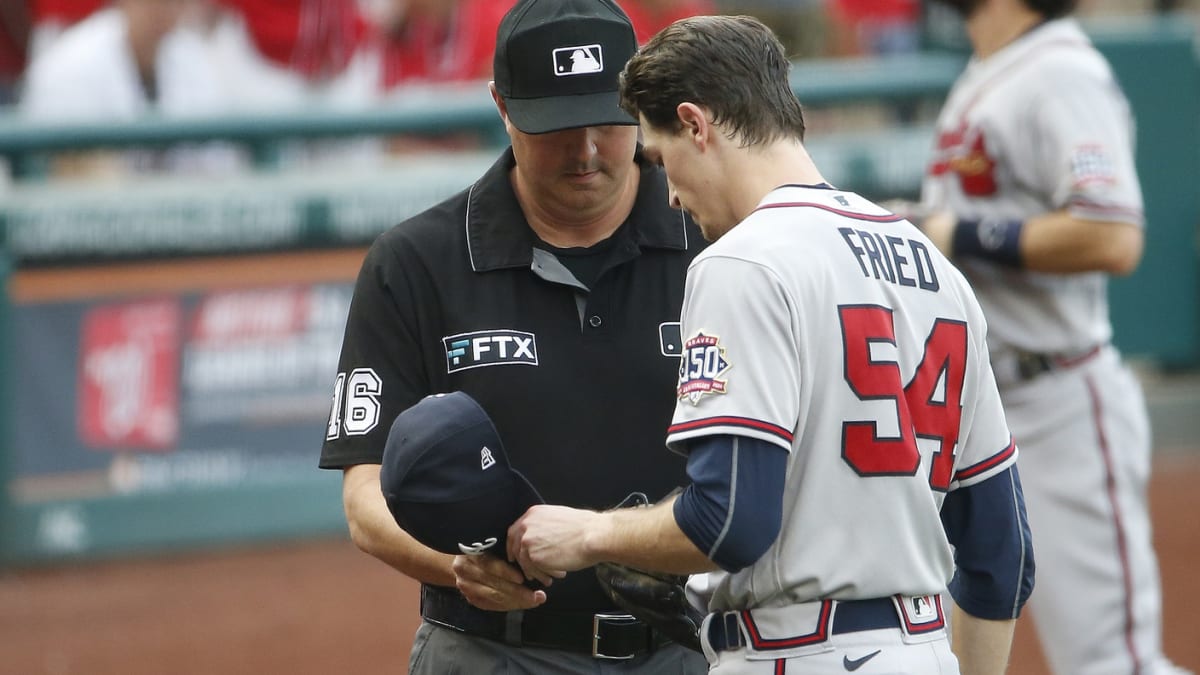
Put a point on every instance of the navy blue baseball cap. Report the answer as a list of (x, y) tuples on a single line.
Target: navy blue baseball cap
[(447, 480), (557, 64)]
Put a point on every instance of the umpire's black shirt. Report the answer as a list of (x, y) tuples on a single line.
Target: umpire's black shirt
[(580, 382)]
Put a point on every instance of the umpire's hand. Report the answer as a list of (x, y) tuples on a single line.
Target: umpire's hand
[(490, 583)]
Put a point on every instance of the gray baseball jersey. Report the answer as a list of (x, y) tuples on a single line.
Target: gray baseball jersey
[(834, 329), (1039, 126)]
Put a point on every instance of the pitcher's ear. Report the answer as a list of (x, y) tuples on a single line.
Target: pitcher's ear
[(695, 122)]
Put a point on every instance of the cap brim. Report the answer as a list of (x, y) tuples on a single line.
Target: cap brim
[(556, 113)]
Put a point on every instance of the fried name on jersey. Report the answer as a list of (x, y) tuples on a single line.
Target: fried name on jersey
[(892, 259)]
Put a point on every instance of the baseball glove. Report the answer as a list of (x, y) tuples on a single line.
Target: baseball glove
[(655, 598)]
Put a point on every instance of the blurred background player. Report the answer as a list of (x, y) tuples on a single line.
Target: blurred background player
[(1036, 198)]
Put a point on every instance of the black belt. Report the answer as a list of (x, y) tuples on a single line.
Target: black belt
[(1032, 364), (605, 635), (851, 616)]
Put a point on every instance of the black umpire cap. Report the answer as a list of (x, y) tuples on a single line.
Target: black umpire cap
[(557, 64), (447, 480)]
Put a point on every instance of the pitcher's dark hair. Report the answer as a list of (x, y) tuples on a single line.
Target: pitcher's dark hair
[(733, 66)]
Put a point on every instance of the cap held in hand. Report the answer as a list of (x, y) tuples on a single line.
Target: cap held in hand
[(447, 480)]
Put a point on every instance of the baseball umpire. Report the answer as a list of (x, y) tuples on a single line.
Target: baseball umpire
[(835, 403), (1037, 200), (550, 292)]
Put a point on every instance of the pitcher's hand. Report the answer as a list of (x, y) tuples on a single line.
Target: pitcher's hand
[(549, 541)]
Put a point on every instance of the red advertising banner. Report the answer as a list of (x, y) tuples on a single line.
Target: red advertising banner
[(129, 375)]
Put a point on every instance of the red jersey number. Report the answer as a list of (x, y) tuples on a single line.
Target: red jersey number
[(930, 406)]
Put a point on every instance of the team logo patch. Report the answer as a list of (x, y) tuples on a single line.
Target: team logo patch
[(580, 60), (703, 361), (497, 347), (1090, 164)]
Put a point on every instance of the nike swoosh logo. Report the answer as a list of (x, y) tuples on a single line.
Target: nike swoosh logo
[(858, 663)]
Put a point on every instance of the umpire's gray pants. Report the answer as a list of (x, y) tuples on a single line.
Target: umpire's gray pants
[(441, 651)]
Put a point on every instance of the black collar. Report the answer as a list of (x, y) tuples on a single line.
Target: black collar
[(499, 237)]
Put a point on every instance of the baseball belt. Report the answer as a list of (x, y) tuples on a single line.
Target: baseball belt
[(851, 616), (601, 635), (1031, 364), (1017, 366)]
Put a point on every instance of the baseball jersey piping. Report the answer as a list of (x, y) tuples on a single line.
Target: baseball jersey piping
[(731, 421), (989, 463), (467, 228), (1118, 214), (765, 644), (733, 481), (883, 218), (1110, 490), (1016, 606)]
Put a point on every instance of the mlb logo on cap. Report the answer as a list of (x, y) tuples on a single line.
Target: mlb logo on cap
[(447, 480), (558, 62), (578, 60)]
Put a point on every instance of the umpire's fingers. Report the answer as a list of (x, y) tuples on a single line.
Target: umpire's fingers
[(485, 569), (490, 583)]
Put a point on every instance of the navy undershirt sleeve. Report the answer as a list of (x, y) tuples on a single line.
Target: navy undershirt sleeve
[(734, 506), (993, 554)]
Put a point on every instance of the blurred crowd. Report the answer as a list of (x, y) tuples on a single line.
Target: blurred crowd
[(116, 60), (196, 56), (113, 60)]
